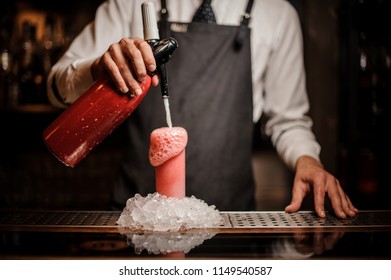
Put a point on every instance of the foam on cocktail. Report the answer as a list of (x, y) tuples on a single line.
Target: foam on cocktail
[(166, 143)]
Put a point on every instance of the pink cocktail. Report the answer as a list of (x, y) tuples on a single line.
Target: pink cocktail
[(167, 155)]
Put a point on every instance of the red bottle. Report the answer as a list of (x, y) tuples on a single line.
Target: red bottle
[(90, 119), (101, 109)]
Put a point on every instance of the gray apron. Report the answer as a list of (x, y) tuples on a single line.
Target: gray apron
[(210, 90)]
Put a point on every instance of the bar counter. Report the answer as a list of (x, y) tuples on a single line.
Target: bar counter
[(242, 235)]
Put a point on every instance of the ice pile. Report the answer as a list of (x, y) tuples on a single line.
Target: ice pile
[(163, 243), (157, 212)]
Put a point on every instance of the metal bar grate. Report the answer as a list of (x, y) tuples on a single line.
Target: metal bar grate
[(306, 219), (231, 220), (59, 218)]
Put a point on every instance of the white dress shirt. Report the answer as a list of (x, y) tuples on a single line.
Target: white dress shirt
[(278, 73)]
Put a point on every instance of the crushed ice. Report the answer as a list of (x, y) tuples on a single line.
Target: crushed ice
[(163, 243), (156, 212)]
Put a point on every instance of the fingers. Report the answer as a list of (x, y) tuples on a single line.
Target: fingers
[(299, 191), (346, 204), (310, 175), (139, 55), (114, 62), (351, 206), (336, 198), (319, 197), (340, 202), (127, 62), (155, 80)]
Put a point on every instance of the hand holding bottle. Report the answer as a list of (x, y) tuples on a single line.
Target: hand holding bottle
[(127, 62)]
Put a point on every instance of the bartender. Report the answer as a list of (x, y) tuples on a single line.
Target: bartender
[(236, 61)]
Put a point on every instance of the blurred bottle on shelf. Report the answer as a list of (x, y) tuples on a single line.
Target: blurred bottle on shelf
[(4, 69), (37, 40), (385, 78), (368, 110), (52, 45), (29, 86), (369, 93), (365, 101), (373, 107), (33, 60), (6, 60)]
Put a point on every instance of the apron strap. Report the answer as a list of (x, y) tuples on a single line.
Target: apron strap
[(163, 11), (243, 28)]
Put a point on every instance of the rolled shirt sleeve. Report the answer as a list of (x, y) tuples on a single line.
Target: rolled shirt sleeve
[(285, 101)]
